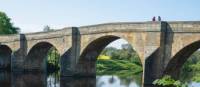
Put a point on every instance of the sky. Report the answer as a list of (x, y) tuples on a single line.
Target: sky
[(33, 15)]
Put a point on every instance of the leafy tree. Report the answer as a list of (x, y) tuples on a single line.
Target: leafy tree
[(126, 53), (53, 60), (6, 27)]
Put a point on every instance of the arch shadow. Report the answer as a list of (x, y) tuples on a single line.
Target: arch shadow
[(65, 62), (174, 66), (37, 57), (5, 58)]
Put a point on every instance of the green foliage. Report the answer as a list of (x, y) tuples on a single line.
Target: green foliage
[(6, 27), (191, 69), (104, 66), (53, 60), (167, 81), (122, 54), (122, 61), (196, 78)]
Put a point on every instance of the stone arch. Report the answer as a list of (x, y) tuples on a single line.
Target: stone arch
[(36, 57), (86, 64), (31, 44), (174, 65), (5, 57)]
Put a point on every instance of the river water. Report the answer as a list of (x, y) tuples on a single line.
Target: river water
[(53, 80)]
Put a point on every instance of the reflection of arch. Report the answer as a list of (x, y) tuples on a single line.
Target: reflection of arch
[(5, 57), (174, 66), (36, 58), (87, 62)]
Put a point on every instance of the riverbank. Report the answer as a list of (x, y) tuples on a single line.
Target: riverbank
[(121, 68)]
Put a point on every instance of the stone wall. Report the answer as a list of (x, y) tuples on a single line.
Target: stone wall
[(163, 47)]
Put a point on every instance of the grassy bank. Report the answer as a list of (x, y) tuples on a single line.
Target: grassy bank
[(117, 67)]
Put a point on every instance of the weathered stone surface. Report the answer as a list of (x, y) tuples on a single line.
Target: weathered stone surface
[(163, 47)]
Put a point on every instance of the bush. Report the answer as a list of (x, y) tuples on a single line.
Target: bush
[(167, 81)]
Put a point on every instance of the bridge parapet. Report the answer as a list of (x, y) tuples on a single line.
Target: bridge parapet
[(9, 38), (185, 26), (50, 34), (121, 27)]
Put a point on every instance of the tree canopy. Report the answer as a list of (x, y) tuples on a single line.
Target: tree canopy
[(6, 27)]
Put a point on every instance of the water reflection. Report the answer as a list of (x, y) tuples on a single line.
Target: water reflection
[(114, 81), (42, 80), (28, 80), (77, 82), (5, 79)]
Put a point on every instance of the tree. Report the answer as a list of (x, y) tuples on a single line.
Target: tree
[(46, 28), (6, 27)]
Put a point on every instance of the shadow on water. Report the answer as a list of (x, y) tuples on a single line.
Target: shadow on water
[(36, 79), (42, 80)]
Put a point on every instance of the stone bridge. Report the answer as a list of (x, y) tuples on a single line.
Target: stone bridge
[(163, 47)]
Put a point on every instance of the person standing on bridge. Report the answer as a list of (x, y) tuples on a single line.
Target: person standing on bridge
[(159, 18), (154, 18)]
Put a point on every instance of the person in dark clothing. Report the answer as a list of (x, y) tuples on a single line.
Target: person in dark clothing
[(154, 18)]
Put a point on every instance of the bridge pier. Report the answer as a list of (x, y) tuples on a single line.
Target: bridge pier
[(19, 55), (70, 58)]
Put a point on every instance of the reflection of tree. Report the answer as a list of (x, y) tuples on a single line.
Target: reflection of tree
[(112, 80), (53, 60), (53, 80), (137, 78), (5, 79), (77, 82)]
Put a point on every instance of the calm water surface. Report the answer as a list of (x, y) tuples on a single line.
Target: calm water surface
[(42, 80)]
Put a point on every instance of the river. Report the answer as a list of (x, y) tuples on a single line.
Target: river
[(8, 79)]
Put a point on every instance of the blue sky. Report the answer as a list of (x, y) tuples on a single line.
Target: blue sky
[(33, 15)]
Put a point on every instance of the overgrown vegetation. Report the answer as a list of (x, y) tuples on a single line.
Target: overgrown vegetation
[(168, 81), (53, 58)]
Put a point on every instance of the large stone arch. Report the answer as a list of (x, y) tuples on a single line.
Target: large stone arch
[(5, 57), (135, 39), (36, 57), (86, 64), (174, 65)]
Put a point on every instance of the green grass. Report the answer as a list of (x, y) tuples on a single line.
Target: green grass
[(121, 68)]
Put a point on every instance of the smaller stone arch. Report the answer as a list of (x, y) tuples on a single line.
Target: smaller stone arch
[(36, 57), (31, 44), (174, 65), (5, 57)]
